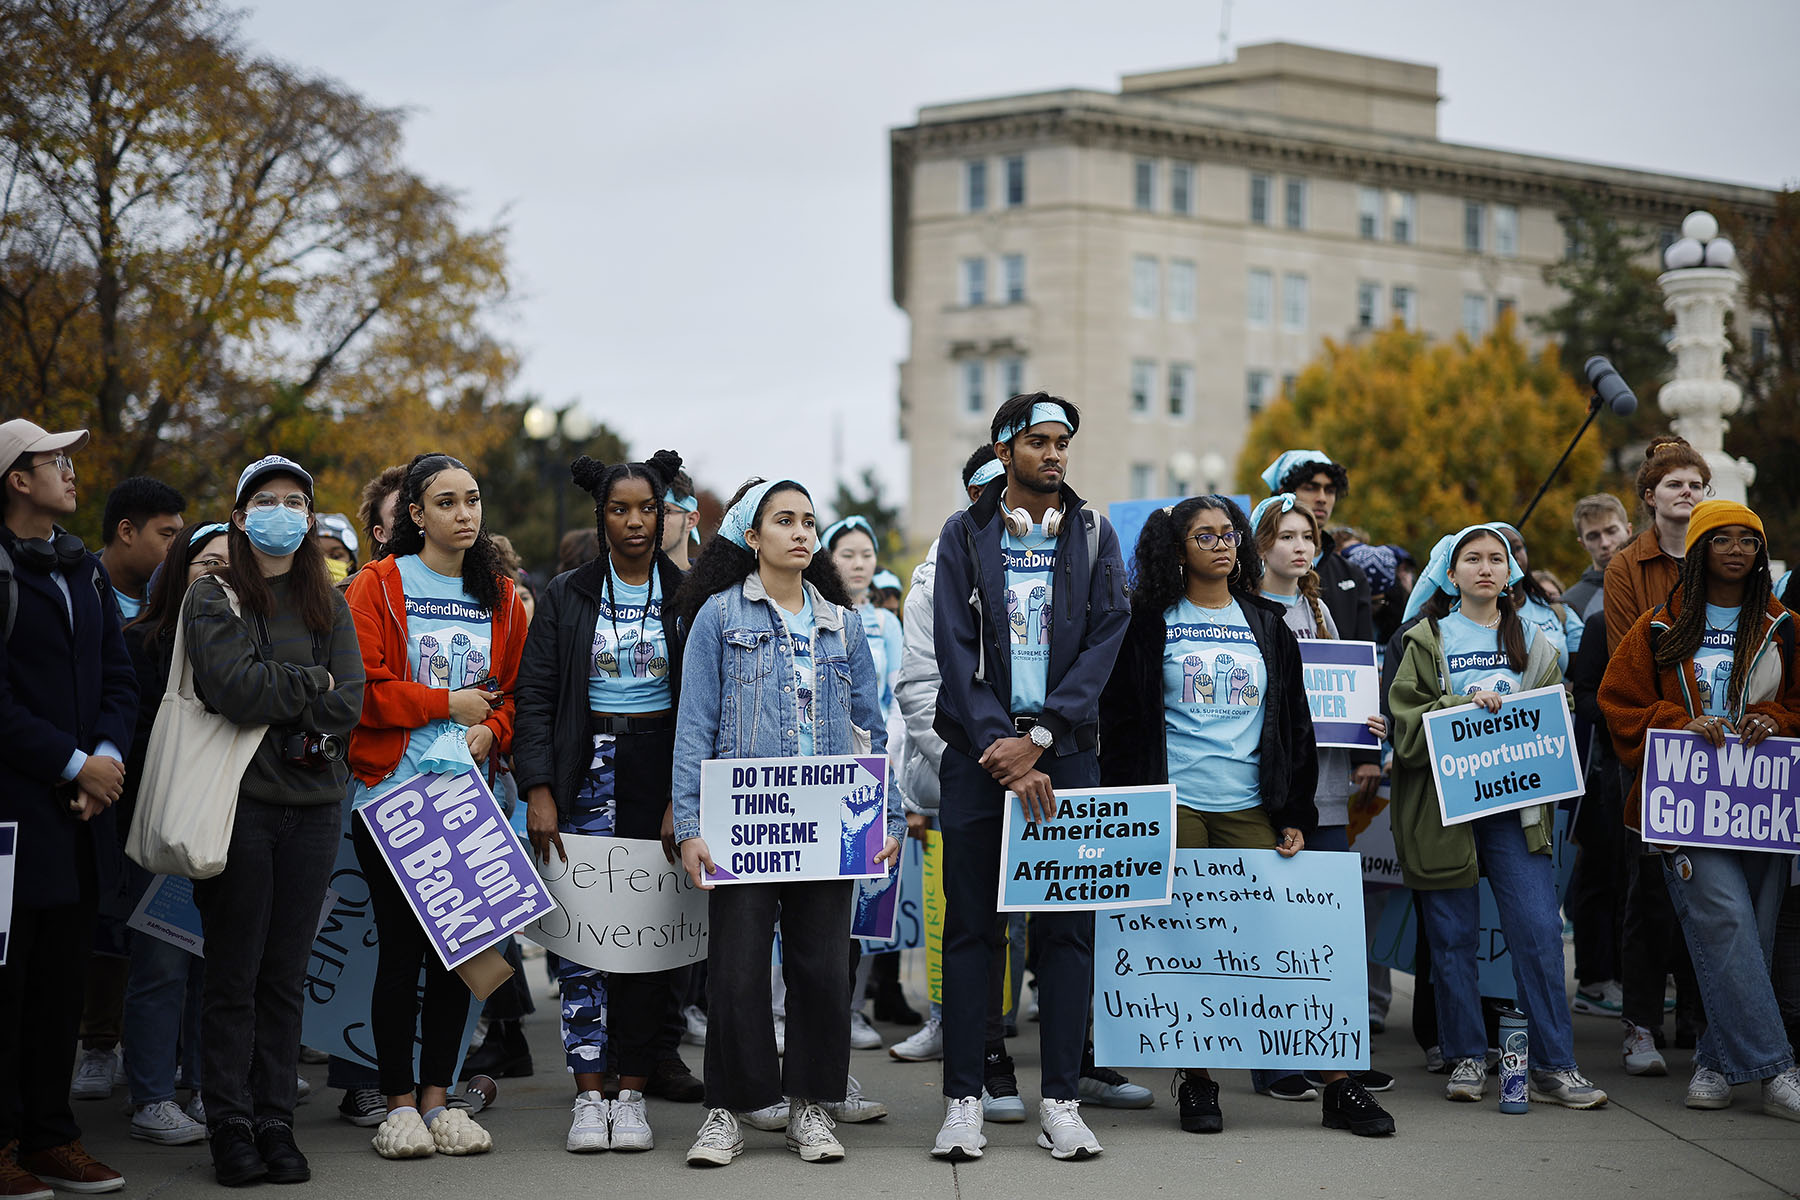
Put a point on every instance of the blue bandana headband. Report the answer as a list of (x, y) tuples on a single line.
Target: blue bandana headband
[(884, 580), (1436, 576), (1043, 410), (987, 472), (837, 528), (205, 531), (1286, 500), (1288, 460), (739, 518), (691, 504)]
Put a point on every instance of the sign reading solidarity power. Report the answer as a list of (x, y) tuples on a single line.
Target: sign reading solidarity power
[(768, 820), (1488, 763), (1256, 962), (1103, 848), (1343, 686), (1733, 795)]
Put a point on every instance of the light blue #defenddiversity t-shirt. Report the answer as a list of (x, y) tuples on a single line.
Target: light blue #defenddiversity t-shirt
[(628, 671), (1712, 662), (1030, 572), (800, 639), (1214, 681), (1476, 661)]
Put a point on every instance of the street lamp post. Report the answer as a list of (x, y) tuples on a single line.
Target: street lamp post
[(565, 427)]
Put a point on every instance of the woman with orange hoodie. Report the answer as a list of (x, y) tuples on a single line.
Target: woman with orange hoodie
[(1717, 660), (441, 629)]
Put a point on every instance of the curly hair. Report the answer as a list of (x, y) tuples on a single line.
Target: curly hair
[(1511, 631), (598, 480), (368, 509), (1687, 621), (1162, 551), (1666, 453), (482, 565), (724, 564), (1304, 472), (1309, 583)]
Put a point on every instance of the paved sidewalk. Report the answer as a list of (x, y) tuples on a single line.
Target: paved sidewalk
[(1644, 1143)]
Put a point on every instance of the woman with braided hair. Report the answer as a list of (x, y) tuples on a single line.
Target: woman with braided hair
[(1717, 660)]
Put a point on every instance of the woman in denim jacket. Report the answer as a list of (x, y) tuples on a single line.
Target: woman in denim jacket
[(776, 666)]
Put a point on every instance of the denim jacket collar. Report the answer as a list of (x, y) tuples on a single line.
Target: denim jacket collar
[(826, 615)]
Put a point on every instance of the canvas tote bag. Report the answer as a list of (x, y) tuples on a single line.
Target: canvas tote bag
[(188, 796)]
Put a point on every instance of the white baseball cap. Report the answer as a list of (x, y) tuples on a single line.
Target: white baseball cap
[(19, 437), (273, 464)]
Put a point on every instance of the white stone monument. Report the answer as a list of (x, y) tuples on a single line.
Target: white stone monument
[(1699, 287)]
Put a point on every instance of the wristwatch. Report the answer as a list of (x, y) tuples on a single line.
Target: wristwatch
[(1041, 737)]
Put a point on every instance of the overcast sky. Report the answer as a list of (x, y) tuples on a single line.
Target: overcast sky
[(698, 192)]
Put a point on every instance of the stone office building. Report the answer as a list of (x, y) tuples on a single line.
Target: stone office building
[(1170, 255)]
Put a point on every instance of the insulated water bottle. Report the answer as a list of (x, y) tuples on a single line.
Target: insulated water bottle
[(1515, 1058)]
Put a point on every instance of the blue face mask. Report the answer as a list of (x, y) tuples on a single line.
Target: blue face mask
[(276, 531)]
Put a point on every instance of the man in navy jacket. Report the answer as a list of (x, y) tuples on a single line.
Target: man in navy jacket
[(68, 702), (1029, 613)]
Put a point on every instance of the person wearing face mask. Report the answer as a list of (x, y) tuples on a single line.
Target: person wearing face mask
[(289, 661)]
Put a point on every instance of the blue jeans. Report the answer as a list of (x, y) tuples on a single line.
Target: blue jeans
[(163, 995), (1728, 911), (1525, 889)]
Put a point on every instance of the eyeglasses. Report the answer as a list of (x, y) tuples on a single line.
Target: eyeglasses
[(211, 562), (62, 462), (1206, 541), (1724, 541), (267, 500)]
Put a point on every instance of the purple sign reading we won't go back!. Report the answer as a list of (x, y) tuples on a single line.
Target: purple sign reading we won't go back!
[(1734, 796)]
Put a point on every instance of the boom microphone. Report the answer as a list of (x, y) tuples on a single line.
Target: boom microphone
[(1609, 385)]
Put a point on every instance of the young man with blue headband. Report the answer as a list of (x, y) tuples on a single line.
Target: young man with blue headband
[(681, 520), (1028, 622)]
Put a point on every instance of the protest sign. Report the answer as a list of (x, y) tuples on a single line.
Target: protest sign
[(887, 915), (167, 912), (932, 873), (1128, 516), (1103, 848), (9, 853), (1343, 685), (770, 820), (1256, 962), (464, 873), (1380, 861), (1732, 796), (620, 906), (1486, 763)]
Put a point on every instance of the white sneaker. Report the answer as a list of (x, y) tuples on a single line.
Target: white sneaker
[(97, 1075), (927, 1045), (695, 1033), (302, 1089), (630, 1123), (1065, 1135), (855, 1108), (1708, 1089), (1030, 1009), (961, 1136), (780, 1036), (1468, 1080), (165, 1124), (588, 1132), (1781, 1095), (1640, 1052), (1602, 1000), (862, 1034), (196, 1108), (772, 1118), (719, 1142), (809, 1134)]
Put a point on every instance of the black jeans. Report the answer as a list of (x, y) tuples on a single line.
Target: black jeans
[(1596, 899), (1654, 947), (259, 916), (41, 988), (398, 1008), (640, 1008), (974, 937), (742, 1073)]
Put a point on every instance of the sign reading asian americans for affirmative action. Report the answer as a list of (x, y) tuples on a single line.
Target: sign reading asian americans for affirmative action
[(1735, 796), (1102, 848), (1486, 763), (1343, 686), (767, 820)]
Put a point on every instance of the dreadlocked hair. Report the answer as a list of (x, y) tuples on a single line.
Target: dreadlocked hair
[(1687, 620), (598, 480), (723, 563), (1266, 532), (1162, 549), (1510, 635), (482, 565)]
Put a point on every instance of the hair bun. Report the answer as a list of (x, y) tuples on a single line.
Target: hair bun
[(586, 473), (666, 463), (1661, 440)]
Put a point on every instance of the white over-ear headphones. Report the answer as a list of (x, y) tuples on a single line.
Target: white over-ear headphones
[(1018, 521)]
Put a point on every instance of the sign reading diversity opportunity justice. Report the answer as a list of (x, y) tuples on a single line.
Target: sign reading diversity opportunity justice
[(1488, 763), (620, 906), (766, 820), (1103, 848), (1257, 962), (1733, 795), (1343, 686)]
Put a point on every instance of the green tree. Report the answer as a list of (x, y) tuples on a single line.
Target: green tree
[(520, 478), (1767, 429), (1437, 436), (873, 507)]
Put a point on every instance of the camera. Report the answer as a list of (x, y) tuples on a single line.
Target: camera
[(313, 751)]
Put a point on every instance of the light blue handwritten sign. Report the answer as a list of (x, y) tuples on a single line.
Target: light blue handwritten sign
[(1103, 848), (1257, 961), (1486, 763)]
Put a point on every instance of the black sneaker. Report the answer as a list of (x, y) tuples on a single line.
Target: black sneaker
[(503, 1054), (673, 1081), (1000, 1099), (1198, 1100), (1348, 1105), (275, 1142), (1292, 1087), (363, 1107), (1372, 1081), (234, 1154), (891, 1007)]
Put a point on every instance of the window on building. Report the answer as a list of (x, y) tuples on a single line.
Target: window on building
[(1012, 376), (1145, 298), (1368, 304), (1474, 226), (974, 380), (1403, 217), (1504, 305), (1474, 315), (1759, 345), (1295, 302), (1506, 230), (1143, 386), (1288, 383), (1143, 192), (1181, 189), (1259, 306), (1256, 390), (1015, 181), (1294, 206), (1182, 277), (975, 184), (1405, 303), (1181, 389), (974, 279), (1260, 186), (1143, 478), (1012, 270), (1368, 213)]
